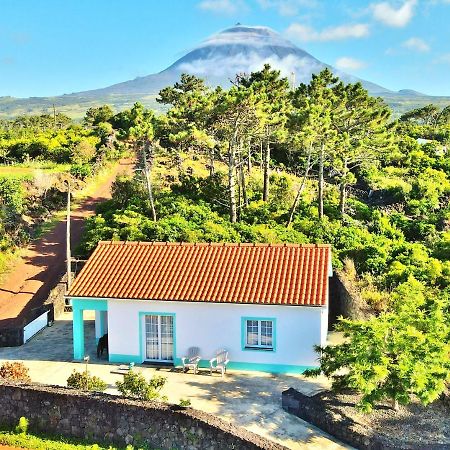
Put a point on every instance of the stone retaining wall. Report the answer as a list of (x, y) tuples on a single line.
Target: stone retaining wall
[(315, 411), (112, 419)]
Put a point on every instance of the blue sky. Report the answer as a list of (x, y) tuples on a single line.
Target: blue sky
[(51, 47)]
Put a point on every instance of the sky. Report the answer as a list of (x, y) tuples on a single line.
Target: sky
[(52, 47)]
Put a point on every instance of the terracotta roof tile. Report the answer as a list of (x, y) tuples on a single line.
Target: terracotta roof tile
[(280, 274)]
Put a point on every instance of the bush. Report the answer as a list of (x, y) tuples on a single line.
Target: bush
[(81, 171), (15, 371), (86, 382), (22, 426), (135, 385)]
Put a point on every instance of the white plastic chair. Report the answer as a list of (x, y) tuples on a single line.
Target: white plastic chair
[(191, 360), (219, 362)]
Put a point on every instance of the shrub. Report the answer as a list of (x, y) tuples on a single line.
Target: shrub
[(86, 382), (135, 385), (14, 371), (81, 171), (22, 426), (185, 402)]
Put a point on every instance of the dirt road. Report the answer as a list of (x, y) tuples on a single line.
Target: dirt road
[(38, 271)]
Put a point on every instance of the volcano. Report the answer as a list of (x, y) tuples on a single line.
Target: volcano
[(236, 50), (240, 49)]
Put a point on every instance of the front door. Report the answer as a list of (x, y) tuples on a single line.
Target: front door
[(159, 338)]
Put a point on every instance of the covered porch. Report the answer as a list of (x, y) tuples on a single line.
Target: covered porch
[(79, 307)]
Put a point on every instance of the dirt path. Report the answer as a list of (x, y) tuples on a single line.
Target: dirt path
[(39, 269)]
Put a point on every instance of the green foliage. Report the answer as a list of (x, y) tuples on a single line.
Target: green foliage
[(85, 382), (22, 426), (401, 354), (184, 402), (135, 385), (31, 441)]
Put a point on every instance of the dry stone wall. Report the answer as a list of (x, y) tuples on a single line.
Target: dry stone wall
[(111, 419)]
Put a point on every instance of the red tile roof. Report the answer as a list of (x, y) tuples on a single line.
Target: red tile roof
[(280, 274)]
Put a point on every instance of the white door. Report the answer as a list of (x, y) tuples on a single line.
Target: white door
[(159, 338)]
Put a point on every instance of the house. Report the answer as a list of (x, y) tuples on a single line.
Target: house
[(266, 304)]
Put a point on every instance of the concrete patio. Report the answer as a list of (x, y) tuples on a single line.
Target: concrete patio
[(248, 399)]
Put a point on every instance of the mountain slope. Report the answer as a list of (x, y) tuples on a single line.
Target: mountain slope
[(218, 59), (240, 49)]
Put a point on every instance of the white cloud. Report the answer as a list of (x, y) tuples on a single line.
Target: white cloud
[(443, 59), (287, 7), (416, 44), (394, 17), (306, 33), (220, 67), (347, 63), (222, 6)]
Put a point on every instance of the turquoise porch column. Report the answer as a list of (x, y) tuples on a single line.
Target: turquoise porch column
[(78, 306), (78, 334)]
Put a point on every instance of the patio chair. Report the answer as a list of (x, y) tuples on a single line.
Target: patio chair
[(191, 360), (219, 362)]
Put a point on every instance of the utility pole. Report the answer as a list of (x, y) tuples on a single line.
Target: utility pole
[(54, 116), (68, 252)]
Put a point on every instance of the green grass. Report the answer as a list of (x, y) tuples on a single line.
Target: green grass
[(27, 171), (31, 441)]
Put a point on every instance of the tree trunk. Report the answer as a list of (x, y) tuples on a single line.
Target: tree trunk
[(249, 155), (232, 182), (212, 169), (320, 208), (243, 186), (261, 156), (148, 179), (343, 191), (266, 156), (300, 189)]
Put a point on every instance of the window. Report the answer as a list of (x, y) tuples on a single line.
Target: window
[(258, 334)]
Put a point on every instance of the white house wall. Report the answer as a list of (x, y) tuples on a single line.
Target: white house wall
[(213, 326)]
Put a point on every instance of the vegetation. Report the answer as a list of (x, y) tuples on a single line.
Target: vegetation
[(324, 163), (136, 386), (22, 439), (85, 381), (15, 371), (39, 155)]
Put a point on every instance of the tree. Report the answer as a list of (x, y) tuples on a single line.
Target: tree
[(96, 115), (235, 117), (311, 119), (273, 106), (361, 123), (402, 353)]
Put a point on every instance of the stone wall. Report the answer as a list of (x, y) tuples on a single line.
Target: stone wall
[(345, 300), (111, 419), (316, 411)]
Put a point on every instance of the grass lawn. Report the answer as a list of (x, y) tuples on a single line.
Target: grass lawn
[(36, 442), (30, 441), (27, 171)]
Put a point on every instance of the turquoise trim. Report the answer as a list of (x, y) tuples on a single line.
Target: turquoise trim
[(78, 306), (116, 358), (244, 335), (141, 336), (91, 305), (256, 367), (270, 368)]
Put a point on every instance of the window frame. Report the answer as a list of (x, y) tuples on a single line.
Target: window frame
[(258, 347)]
